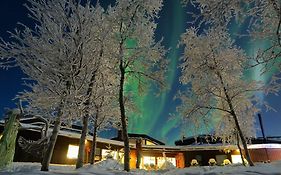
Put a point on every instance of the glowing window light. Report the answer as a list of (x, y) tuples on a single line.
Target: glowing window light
[(236, 159), (149, 143), (72, 152), (149, 160), (161, 160), (105, 153), (1, 136)]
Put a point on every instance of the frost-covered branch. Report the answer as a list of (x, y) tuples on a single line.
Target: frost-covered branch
[(212, 71)]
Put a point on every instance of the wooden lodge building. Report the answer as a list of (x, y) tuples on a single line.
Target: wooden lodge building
[(153, 153)]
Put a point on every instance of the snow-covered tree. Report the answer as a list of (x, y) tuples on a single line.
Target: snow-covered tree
[(105, 112), (212, 70), (55, 55), (102, 64), (136, 51), (262, 18)]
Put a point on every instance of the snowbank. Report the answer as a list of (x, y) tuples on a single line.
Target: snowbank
[(112, 167), (109, 164), (167, 165), (260, 168)]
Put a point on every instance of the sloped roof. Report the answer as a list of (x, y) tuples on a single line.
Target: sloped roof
[(143, 136)]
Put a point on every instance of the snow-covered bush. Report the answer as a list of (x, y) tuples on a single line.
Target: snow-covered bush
[(226, 162), (150, 166), (110, 164), (194, 162), (212, 162), (167, 165)]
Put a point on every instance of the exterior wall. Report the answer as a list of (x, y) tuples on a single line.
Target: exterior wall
[(21, 155), (265, 154), (180, 160), (203, 156), (133, 159), (274, 154), (61, 148)]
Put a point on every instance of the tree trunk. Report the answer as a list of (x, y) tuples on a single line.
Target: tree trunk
[(240, 150), (139, 152), (49, 152), (94, 143), (232, 112), (84, 133), (8, 140), (244, 143), (124, 120), (81, 152)]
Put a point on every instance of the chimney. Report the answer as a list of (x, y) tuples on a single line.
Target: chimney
[(262, 130), (120, 135)]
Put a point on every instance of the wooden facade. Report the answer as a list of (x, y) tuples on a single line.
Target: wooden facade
[(265, 154)]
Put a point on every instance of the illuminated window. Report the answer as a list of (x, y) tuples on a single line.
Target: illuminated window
[(1, 136), (72, 152), (148, 161), (149, 143), (236, 159), (105, 153), (161, 161)]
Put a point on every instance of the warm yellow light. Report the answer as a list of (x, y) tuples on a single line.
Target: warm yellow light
[(72, 152), (236, 159), (1, 136), (149, 160), (149, 143), (162, 160)]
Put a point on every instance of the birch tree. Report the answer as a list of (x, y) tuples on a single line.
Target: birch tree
[(262, 18), (105, 112), (212, 70), (101, 64), (53, 54), (100, 92), (139, 56)]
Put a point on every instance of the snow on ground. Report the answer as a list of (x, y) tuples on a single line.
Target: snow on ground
[(111, 167), (110, 164), (167, 166)]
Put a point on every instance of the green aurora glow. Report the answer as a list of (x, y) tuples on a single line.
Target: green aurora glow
[(154, 117), (155, 110)]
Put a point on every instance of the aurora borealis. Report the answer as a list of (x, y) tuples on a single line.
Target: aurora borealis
[(154, 115), (155, 111)]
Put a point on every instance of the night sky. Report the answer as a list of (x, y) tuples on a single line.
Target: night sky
[(156, 112)]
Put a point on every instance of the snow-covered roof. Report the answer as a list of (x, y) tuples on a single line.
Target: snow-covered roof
[(99, 139), (208, 147), (269, 145), (72, 133), (162, 147)]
